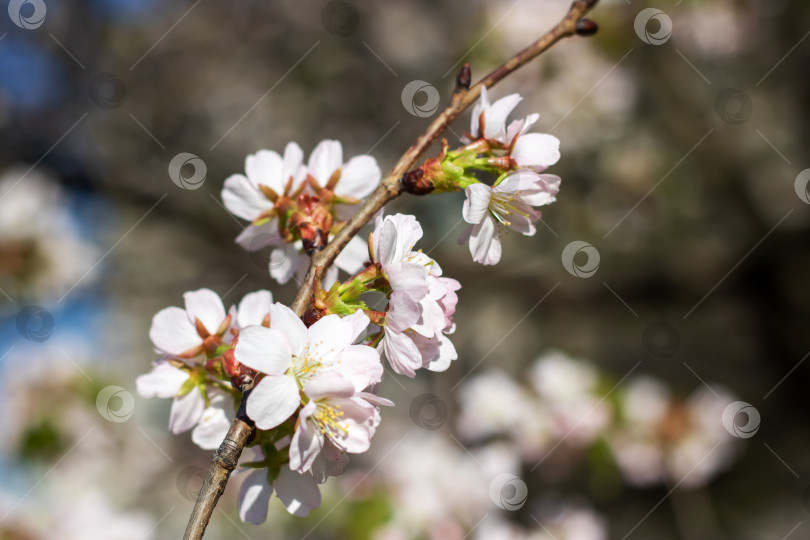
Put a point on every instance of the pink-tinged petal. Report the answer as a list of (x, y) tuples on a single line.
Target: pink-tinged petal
[(172, 332), (164, 381), (361, 419), (523, 219), (331, 461), (495, 122), (243, 199), (212, 428), (408, 278), (485, 246), (359, 177), (264, 167), (253, 308), (397, 236), (361, 365), (264, 349), (403, 311), (331, 334), (290, 325), (544, 191), (186, 412), (536, 150), (432, 318), (374, 399), (402, 354), (255, 237), (307, 441), (274, 399), (477, 203), (353, 256), (329, 384), (519, 127), (205, 305), (446, 355), (293, 165), (481, 105), (298, 492), (254, 497), (324, 160)]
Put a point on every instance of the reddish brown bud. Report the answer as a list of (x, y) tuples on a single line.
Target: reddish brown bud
[(464, 78), (313, 221), (415, 182), (586, 27), (240, 375)]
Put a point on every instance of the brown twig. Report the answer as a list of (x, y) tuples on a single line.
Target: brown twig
[(226, 458)]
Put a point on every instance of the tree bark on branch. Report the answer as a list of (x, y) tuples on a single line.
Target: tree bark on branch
[(227, 456)]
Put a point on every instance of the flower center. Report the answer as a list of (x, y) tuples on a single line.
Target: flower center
[(327, 419), (502, 205)]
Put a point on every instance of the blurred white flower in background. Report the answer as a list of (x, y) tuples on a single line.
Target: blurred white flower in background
[(42, 252)]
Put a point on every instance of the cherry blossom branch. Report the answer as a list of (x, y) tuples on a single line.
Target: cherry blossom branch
[(464, 95), (226, 457)]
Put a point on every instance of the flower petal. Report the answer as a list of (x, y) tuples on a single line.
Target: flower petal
[(324, 160), (254, 497), (408, 278), (329, 384), (536, 150), (273, 400), (255, 237), (263, 349), (353, 256), (361, 365), (243, 199), (477, 203), (253, 308), (402, 354), (307, 441), (284, 262), (298, 492), (293, 165), (172, 332), (186, 412), (485, 246), (164, 381), (290, 325), (205, 305), (495, 116), (359, 177), (211, 429), (264, 167)]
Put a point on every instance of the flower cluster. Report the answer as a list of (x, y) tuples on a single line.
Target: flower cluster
[(307, 383)]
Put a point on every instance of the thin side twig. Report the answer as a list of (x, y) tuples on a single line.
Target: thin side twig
[(226, 457)]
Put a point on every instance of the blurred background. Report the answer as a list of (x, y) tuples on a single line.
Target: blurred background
[(635, 370)]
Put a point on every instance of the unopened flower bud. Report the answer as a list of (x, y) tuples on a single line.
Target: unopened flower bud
[(416, 182), (464, 78), (586, 27)]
